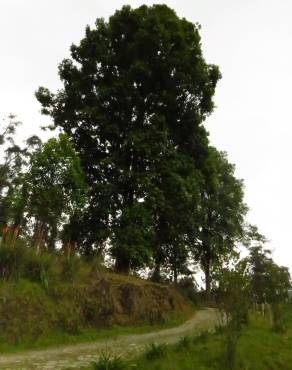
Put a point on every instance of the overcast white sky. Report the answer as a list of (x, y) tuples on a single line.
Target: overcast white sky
[(249, 39)]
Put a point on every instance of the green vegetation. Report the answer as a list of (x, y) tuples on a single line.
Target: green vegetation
[(107, 362), (59, 337), (131, 185), (133, 81), (48, 299), (184, 342), (155, 350), (135, 93), (131, 176), (259, 348)]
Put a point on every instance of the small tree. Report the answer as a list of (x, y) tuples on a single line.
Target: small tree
[(234, 303), (221, 215), (56, 188), (269, 282), (277, 285), (13, 169), (11, 162)]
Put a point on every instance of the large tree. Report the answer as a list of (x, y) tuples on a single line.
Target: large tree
[(136, 91)]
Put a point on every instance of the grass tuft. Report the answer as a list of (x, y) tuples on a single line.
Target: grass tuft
[(109, 362), (155, 350), (184, 343)]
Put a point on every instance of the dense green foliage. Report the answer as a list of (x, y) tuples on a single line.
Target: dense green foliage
[(55, 189), (14, 162), (222, 215), (136, 92), (268, 282)]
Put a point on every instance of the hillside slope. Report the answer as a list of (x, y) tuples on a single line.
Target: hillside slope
[(29, 311)]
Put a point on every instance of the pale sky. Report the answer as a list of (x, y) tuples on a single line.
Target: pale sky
[(250, 40)]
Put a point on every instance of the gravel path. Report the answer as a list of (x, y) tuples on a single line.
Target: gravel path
[(81, 355)]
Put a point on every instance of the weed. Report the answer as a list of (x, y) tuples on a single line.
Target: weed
[(184, 343), (155, 350), (109, 362)]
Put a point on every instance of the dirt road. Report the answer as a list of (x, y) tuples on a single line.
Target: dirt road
[(79, 355)]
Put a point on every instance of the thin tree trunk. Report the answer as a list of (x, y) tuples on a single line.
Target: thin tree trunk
[(122, 265), (207, 279), (156, 276), (175, 274), (207, 269), (18, 217), (53, 237)]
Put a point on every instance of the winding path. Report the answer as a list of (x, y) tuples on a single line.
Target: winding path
[(81, 355)]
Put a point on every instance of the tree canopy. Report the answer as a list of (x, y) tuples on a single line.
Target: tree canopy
[(135, 94)]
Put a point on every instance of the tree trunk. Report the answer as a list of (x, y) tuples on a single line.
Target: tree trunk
[(175, 274), (122, 265), (156, 276), (207, 269), (207, 272), (18, 216), (53, 237), (206, 261), (158, 261)]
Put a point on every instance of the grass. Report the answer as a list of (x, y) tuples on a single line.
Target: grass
[(259, 348), (59, 338), (194, 356)]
